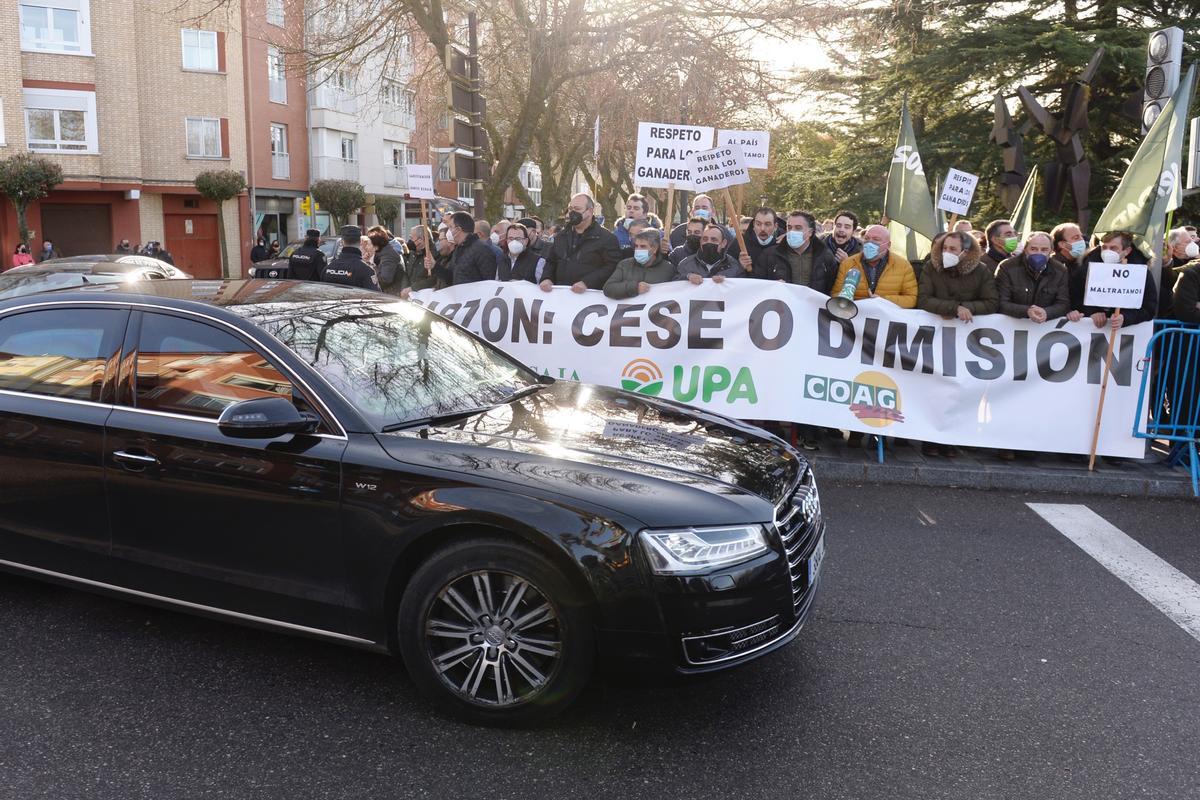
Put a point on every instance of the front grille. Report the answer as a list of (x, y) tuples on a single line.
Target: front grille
[(798, 521)]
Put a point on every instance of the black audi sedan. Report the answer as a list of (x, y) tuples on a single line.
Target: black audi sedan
[(340, 464)]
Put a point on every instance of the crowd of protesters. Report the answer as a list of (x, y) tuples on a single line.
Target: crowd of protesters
[(968, 272)]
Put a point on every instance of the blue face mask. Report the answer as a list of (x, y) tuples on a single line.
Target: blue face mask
[(795, 239), (1037, 261), (702, 213), (1077, 248), (641, 256), (870, 251)]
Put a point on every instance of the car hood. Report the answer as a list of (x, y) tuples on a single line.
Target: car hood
[(657, 461)]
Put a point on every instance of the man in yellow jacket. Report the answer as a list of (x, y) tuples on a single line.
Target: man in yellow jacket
[(884, 274)]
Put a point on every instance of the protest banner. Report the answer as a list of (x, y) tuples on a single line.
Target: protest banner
[(763, 350), (420, 181), (719, 168), (957, 193), (662, 152), (755, 145)]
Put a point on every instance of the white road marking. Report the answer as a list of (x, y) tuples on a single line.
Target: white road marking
[(1171, 592)]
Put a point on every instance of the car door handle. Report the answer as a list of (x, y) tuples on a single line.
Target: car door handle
[(134, 461)]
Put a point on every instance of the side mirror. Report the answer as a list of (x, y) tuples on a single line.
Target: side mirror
[(265, 418)]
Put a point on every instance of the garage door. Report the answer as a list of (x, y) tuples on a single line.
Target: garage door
[(77, 229), (192, 242)]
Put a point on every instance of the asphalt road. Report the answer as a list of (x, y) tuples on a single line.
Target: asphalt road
[(962, 648)]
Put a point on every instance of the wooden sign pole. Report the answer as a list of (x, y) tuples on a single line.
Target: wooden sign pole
[(669, 222), (428, 239), (736, 219), (1112, 339), (951, 223)]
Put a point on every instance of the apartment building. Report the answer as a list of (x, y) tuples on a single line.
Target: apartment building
[(132, 100), (277, 173)]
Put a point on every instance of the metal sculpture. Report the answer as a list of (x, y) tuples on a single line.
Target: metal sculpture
[(1065, 131), (1011, 141)]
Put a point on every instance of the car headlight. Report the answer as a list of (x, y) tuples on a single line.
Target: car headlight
[(691, 550)]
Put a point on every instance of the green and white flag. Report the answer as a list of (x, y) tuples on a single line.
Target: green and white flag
[(908, 242), (1022, 214), (1151, 186), (907, 200)]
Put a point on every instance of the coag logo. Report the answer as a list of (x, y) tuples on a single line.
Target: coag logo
[(642, 376), (872, 397), (687, 384)]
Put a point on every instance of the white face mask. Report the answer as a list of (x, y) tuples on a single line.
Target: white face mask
[(495, 237), (949, 260), (516, 247), (1192, 250), (1110, 256)]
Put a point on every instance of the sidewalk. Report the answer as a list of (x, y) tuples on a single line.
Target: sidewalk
[(983, 469)]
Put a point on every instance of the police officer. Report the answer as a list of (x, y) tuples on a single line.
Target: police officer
[(307, 262), (349, 269)]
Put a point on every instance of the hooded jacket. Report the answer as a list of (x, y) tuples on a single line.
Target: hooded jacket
[(622, 232), (897, 281), (628, 274), (589, 257), (816, 260), (389, 262), (968, 284), (472, 260), (1020, 287)]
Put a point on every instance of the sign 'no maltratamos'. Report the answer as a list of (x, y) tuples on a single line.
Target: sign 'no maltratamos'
[(718, 169), (662, 153)]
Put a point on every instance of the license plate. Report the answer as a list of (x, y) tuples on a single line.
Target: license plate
[(814, 561)]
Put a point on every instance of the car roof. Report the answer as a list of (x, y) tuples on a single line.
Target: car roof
[(97, 264), (19, 283), (220, 293)]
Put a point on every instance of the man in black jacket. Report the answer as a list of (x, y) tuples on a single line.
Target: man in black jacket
[(761, 237), (307, 261), (1186, 305), (583, 255), (1115, 248), (349, 269), (802, 259), (521, 262), (473, 258)]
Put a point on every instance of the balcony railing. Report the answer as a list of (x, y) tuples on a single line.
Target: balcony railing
[(334, 99), (281, 166), (395, 176), (277, 90), (330, 167), (393, 115)]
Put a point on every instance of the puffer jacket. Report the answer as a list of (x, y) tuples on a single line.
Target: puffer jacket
[(628, 274), (473, 260), (897, 281), (969, 284), (1020, 287), (588, 258)]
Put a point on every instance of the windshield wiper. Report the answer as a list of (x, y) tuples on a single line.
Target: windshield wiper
[(524, 391), (434, 419)]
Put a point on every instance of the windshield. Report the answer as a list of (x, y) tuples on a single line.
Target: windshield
[(394, 361)]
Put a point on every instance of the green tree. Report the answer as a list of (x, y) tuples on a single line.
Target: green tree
[(340, 198), (387, 208), (220, 185), (25, 179)]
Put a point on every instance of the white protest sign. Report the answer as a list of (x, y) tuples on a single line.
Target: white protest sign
[(756, 145), (957, 193), (1115, 285), (718, 169), (662, 152), (420, 181)]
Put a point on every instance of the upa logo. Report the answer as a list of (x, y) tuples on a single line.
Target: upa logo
[(689, 383), (872, 397), (642, 376)]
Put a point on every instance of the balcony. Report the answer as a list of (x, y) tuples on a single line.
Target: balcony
[(395, 176), (277, 90), (334, 99), (394, 115), (331, 167), (281, 166)]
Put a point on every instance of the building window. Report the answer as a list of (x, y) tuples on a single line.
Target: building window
[(410, 156), (348, 149), (466, 190), (3, 142), (203, 137), (341, 80), (398, 154), (533, 183), (443, 166), (281, 168), (60, 120), (200, 50), (275, 12), (276, 76), (59, 26)]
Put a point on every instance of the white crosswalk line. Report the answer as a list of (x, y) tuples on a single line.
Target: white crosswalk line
[(1171, 592)]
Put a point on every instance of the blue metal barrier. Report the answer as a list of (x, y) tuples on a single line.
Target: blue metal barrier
[(1169, 399)]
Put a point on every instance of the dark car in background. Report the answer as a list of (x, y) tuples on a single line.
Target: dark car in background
[(278, 267), (336, 463), (74, 271)]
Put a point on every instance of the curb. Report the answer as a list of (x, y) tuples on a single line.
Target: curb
[(1114, 485)]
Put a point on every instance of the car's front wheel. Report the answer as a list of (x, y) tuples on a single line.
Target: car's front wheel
[(495, 632)]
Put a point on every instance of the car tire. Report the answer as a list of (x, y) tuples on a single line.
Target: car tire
[(495, 634)]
